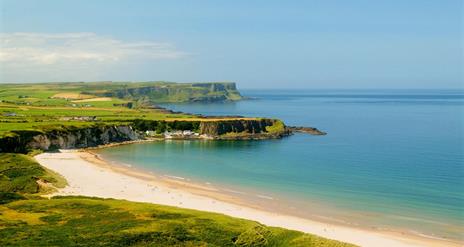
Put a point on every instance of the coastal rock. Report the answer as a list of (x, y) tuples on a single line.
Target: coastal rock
[(308, 130)]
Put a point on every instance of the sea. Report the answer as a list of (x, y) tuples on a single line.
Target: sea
[(391, 159)]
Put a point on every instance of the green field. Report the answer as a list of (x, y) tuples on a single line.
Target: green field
[(14, 117), (52, 105), (69, 93)]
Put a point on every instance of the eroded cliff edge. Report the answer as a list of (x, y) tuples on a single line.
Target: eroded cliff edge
[(101, 134)]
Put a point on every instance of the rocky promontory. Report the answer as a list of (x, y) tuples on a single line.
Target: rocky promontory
[(307, 130), (71, 137)]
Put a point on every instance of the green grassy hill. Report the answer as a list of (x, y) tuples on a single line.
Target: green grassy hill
[(79, 221), (21, 175)]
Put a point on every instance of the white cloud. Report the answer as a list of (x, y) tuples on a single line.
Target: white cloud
[(72, 53)]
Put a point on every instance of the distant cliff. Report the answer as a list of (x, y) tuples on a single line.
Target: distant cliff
[(157, 92)]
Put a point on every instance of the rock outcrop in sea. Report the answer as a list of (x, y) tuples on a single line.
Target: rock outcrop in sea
[(308, 130)]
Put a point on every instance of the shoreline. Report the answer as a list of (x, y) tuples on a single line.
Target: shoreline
[(88, 175)]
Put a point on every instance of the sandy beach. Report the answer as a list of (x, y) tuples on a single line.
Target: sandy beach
[(88, 175)]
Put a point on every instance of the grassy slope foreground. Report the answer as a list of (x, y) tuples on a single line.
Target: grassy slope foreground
[(29, 220), (73, 221), (21, 175)]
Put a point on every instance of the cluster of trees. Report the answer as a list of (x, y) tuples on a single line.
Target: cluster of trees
[(160, 126)]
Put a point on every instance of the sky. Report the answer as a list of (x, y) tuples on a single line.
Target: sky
[(258, 44)]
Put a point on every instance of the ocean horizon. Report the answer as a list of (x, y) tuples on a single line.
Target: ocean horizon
[(392, 159)]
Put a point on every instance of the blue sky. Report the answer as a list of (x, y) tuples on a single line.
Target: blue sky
[(258, 44)]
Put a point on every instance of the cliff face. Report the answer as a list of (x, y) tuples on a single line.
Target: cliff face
[(217, 87), (194, 92), (233, 128), (92, 136), (242, 129), (23, 141)]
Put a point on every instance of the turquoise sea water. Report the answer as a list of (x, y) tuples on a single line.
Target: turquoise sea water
[(391, 159)]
